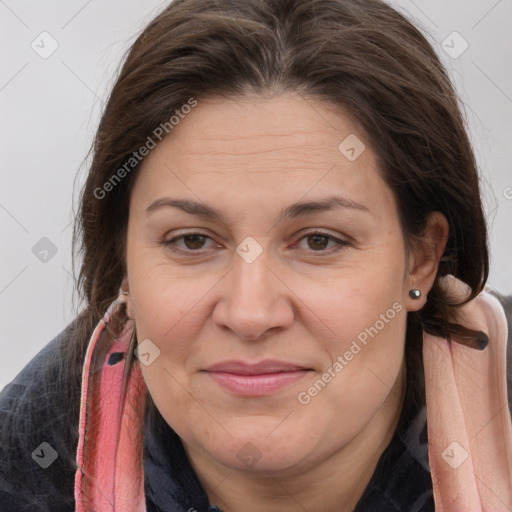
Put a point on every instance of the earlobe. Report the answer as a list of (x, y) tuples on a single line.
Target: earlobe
[(424, 257), (124, 296)]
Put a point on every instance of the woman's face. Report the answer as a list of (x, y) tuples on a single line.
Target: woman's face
[(270, 347)]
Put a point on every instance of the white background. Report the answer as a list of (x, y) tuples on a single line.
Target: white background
[(50, 109)]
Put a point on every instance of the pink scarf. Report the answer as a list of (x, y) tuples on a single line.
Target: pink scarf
[(110, 474), (468, 418)]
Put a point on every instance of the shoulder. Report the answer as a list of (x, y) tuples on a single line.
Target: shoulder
[(506, 302), (39, 413)]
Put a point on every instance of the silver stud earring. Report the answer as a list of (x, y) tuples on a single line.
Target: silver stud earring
[(415, 293)]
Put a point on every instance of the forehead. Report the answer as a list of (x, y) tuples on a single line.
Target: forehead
[(263, 123), (286, 146)]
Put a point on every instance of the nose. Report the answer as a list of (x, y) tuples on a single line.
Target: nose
[(255, 299)]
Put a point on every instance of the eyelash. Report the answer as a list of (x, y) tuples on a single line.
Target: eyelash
[(171, 244)]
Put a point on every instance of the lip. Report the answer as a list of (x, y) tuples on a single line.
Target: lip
[(259, 379)]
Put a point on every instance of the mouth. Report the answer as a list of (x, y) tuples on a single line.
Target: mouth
[(244, 379)]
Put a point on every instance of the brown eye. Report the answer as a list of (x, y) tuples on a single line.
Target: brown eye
[(191, 243), (320, 242), (194, 241)]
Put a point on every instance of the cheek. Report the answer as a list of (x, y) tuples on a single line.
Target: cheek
[(167, 312), (366, 361), (365, 303), (364, 321), (164, 295), (366, 341), (168, 315)]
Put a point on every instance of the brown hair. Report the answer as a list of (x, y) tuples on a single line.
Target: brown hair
[(360, 54)]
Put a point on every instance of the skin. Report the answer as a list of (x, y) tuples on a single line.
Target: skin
[(302, 300)]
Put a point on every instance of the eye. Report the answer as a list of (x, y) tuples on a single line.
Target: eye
[(317, 241), (195, 242)]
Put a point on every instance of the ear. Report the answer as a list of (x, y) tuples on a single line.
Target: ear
[(126, 296), (424, 256)]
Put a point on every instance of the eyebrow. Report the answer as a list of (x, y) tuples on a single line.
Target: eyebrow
[(298, 209)]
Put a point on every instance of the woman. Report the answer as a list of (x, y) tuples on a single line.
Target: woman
[(283, 256)]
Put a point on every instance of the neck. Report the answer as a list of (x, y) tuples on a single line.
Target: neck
[(335, 485)]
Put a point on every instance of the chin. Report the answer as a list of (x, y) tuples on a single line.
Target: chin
[(260, 451), (250, 458)]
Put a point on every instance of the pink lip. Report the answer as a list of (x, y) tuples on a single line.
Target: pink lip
[(255, 379)]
